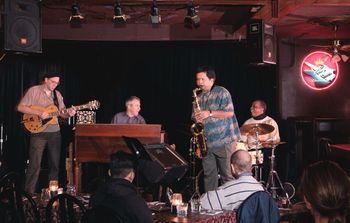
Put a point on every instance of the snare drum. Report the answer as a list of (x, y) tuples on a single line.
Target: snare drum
[(241, 146), (256, 156)]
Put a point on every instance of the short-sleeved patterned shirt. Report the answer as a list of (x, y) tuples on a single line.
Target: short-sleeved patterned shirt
[(219, 131)]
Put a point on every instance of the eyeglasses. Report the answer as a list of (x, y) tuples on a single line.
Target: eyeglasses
[(54, 82), (255, 108)]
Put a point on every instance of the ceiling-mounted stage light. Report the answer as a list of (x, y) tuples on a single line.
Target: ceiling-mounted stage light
[(155, 16), (76, 16), (192, 20), (118, 17)]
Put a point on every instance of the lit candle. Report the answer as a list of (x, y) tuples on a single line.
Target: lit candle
[(53, 185), (176, 199)]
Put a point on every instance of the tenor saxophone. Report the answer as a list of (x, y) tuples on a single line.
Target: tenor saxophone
[(197, 129)]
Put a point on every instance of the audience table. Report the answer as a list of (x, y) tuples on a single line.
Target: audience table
[(219, 217)]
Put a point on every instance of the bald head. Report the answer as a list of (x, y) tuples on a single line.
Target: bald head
[(241, 162)]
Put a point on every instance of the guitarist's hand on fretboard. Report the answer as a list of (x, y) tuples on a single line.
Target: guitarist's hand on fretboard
[(71, 111)]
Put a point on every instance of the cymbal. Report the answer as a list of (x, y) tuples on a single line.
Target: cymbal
[(258, 128)]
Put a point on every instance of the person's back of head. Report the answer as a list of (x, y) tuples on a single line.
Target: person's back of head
[(325, 187), (122, 164), (241, 162)]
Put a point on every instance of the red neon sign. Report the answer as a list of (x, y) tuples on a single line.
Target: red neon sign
[(318, 71)]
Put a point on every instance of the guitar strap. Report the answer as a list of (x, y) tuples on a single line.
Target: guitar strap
[(55, 100), (61, 121), (66, 130)]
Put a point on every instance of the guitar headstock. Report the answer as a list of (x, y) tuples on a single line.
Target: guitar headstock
[(94, 105)]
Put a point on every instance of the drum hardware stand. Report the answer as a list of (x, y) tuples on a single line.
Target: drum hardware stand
[(256, 166), (273, 175), (192, 154), (2, 141)]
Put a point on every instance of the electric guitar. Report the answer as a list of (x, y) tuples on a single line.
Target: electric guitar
[(34, 124)]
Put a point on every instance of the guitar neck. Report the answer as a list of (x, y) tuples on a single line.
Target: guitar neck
[(63, 111)]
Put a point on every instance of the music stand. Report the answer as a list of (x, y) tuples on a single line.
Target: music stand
[(136, 147)]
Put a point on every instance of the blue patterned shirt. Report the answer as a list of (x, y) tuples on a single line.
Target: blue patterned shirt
[(219, 131)]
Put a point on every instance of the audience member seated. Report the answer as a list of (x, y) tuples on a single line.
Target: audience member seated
[(326, 190), (119, 194), (231, 194)]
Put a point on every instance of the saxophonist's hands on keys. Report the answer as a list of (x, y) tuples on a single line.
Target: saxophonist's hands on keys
[(201, 115)]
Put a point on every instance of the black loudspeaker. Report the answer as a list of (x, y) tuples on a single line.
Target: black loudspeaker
[(158, 163), (22, 23), (261, 41), (168, 167)]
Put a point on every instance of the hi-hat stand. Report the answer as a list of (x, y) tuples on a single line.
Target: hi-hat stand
[(273, 176), (257, 166)]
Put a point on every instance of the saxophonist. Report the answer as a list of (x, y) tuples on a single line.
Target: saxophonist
[(220, 127)]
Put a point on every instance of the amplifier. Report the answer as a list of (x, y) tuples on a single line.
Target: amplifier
[(158, 163)]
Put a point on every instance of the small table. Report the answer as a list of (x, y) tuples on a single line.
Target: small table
[(221, 217)]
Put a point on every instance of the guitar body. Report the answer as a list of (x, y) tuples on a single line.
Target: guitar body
[(35, 124)]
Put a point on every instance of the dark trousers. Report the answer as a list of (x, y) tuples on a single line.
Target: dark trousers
[(217, 160), (38, 143)]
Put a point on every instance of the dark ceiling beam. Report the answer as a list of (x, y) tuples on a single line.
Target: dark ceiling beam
[(159, 2), (285, 7), (332, 3)]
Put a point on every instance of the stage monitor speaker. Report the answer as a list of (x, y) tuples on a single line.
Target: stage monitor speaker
[(158, 163), (261, 41), (22, 26)]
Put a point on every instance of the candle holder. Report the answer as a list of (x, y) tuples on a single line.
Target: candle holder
[(176, 199), (53, 187)]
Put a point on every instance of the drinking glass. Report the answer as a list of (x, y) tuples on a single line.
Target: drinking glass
[(182, 210), (71, 190), (60, 190), (45, 196), (195, 205), (176, 199)]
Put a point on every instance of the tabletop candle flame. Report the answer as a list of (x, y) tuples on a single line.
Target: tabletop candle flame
[(53, 185), (176, 199)]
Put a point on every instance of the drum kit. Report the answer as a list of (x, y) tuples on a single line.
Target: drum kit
[(255, 150)]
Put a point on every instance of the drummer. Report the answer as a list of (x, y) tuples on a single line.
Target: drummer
[(258, 112), (267, 136)]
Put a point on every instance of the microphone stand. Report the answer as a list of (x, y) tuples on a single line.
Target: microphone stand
[(192, 154)]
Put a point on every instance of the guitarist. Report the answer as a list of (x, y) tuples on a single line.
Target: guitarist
[(43, 95)]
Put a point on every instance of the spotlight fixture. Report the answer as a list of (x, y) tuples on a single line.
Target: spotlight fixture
[(76, 16), (192, 20), (155, 16), (118, 17)]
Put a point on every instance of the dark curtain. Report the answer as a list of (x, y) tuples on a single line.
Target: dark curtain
[(160, 73)]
